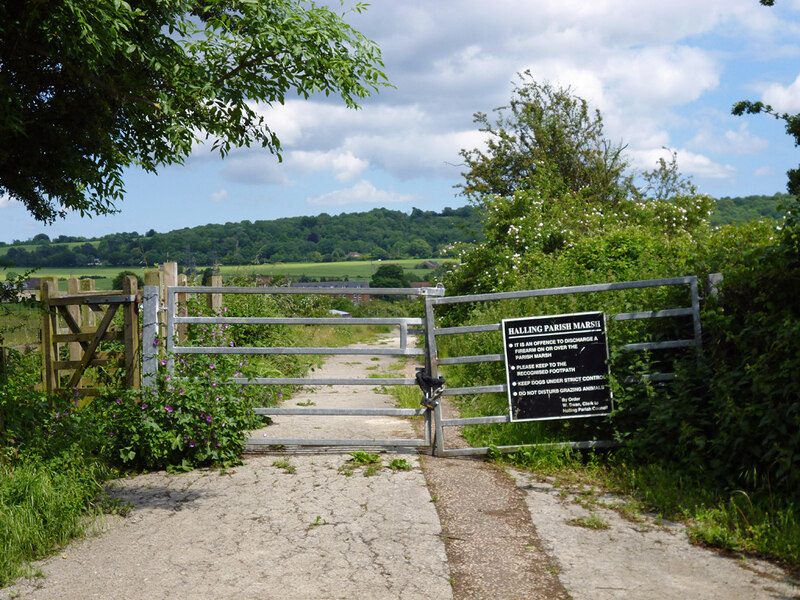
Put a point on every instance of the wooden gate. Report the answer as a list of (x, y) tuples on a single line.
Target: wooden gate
[(72, 337)]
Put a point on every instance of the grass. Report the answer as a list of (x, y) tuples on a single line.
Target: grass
[(732, 521), (592, 521), (360, 458), (42, 507), (284, 464), (30, 247), (19, 325), (399, 464)]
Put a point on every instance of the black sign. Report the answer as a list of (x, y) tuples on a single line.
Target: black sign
[(557, 366)]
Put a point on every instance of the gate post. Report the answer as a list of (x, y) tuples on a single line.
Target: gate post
[(149, 336), (131, 333), (49, 289), (432, 368)]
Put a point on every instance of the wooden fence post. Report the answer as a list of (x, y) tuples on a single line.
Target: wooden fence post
[(169, 278), (49, 289), (87, 315), (215, 300), (131, 333), (73, 287)]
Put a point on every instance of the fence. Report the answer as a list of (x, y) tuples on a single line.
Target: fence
[(72, 342)]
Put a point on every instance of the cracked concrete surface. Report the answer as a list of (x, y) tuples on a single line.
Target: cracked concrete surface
[(644, 560), (260, 531)]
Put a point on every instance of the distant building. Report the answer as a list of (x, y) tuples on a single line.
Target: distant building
[(30, 287), (352, 290)]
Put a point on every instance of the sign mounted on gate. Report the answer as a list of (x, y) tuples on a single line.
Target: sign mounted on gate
[(557, 366)]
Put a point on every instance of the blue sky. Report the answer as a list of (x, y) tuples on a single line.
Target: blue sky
[(662, 74)]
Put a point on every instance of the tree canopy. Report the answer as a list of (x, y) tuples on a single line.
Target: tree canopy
[(89, 87), (389, 276), (543, 127)]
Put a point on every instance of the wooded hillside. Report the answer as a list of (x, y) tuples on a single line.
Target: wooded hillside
[(379, 233)]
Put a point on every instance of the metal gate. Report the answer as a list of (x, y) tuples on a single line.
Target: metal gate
[(435, 424), (691, 310), (406, 325)]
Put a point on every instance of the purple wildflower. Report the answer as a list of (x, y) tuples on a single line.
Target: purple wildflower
[(168, 408)]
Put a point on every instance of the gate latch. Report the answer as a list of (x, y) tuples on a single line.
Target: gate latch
[(431, 387)]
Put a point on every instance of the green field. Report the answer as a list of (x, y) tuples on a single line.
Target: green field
[(19, 325), (32, 247), (353, 270)]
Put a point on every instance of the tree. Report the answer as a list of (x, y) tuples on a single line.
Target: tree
[(552, 186), (89, 87), (116, 283), (389, 276), (543, 126)]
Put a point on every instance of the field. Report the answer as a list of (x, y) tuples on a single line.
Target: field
[(32, 247), (353, 270), (19, 325)]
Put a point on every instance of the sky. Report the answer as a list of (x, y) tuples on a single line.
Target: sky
[(663, 74)]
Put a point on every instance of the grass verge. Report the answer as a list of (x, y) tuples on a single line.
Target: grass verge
[(733, 521), (42, 507)]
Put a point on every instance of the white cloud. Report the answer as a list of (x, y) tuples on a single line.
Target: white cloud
[(343, 164), (364, 192), (701, 166), (783, 98), (7, 202), (765, 171), (416, 153), (689, 163), (218, 196), (739, 141), (254, 167)]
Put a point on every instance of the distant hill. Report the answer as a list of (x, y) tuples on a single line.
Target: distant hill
[(743, 209), (378, 234)]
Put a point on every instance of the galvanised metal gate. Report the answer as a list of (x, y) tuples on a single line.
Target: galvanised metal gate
[(435, 424), (690, 310), (405, 325)]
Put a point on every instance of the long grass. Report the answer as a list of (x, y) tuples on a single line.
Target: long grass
[(42, 507), (19, 325)]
